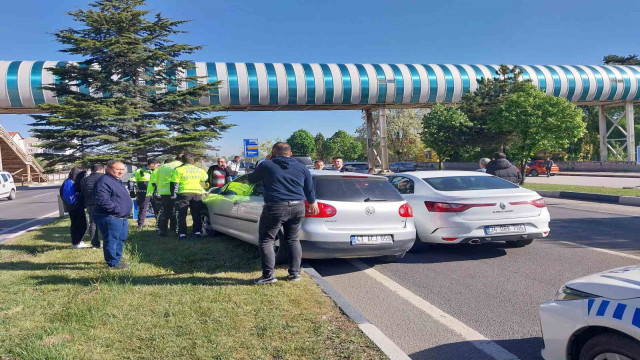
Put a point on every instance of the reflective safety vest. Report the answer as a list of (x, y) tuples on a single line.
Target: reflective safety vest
[(238, 188), (164, 176), (143, 175), (153, 179), (190, 178)]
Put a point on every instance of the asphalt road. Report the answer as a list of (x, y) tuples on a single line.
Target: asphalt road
[(438, 304), (615, 182), (32, 206)]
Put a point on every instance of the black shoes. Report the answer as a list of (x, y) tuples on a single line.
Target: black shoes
[(265, 280), (294, 277), (120, 266)]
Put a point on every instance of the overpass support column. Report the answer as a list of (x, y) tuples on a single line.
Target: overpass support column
[(29, 173), (377, 154), (603, 134), (384, 154), (631, 133), (371, 153)]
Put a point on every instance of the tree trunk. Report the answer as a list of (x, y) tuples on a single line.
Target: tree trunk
[(523, 170), (440, 165)]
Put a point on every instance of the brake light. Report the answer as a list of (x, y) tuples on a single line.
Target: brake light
[(326, 210), (539, 203), (405, 210), (434, 206)]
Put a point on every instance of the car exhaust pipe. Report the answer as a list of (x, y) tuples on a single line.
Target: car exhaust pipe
[(474, 241)]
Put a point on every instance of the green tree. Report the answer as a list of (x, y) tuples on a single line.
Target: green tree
[(621, 60), (319, 142), (302, 143), (536, 122), (121, 109), (344, 145), (446, 130)]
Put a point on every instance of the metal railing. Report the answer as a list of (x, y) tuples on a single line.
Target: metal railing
[(26, 158)]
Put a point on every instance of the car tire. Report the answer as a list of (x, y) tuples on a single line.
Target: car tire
[(533, 173), (207, 230), (519, 243), (419, 246), (611, 343), (392, 258), (12, 195)]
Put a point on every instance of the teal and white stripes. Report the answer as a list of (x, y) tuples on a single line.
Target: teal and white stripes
[(271, 86)]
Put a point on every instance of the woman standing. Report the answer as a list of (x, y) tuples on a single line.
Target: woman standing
[(74, 205)]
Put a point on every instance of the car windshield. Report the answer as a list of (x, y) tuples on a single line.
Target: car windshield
[(464, 183), (355, 189)]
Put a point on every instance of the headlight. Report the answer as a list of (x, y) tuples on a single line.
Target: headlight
[(565, 293)]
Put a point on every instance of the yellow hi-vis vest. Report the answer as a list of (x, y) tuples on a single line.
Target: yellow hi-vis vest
[(164, 176), (153, 179), (190, 178)]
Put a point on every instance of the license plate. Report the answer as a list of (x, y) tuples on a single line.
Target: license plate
[(504, 229), (371, 239)]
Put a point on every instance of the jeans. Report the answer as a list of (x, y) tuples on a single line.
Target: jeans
[(93, 230), (78, 225), (273, 218), (183, 203), (548, 169), (114, 233), (167, 214)]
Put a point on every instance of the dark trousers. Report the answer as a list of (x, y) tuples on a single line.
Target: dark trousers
[(78, 225), (273, 218), (143, 203), (548, 168), (114, 233), (167, 214), (93, 229), (185, 202)]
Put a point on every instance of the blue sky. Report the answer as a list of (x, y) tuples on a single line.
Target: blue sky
[(486, 32)]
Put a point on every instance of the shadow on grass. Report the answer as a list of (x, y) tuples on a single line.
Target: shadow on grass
[(150, 280)]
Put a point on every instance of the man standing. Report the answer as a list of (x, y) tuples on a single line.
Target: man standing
[(167, 213), (218, 175), (113, 206), (87, 185), (287, 184), (186, 188), (337, 163), (142, 177), (318, 165), (152, 197), (502, 168), (233, 167), (548, 164), (482, 165)]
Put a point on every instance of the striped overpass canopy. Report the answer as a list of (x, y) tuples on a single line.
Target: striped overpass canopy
[(277, 86)]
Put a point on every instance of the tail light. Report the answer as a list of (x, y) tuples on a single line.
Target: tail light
[(405, 210), (539, 203), (326, 210), (434, 206)]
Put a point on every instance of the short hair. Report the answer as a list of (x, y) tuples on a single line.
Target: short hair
[(96, 167), (318, 162), (186, 158), (237, 156), (281, 149), (179, 157), (169, 160), (484, 161), (499, 155), (152, 161), (337, 157), (111, 163)]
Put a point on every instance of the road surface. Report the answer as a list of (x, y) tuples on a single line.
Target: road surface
[(32, 206), (486, 291), (615, 182)]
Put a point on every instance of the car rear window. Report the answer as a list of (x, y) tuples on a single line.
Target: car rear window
[(358, 166), (355, 189), (464, 183)]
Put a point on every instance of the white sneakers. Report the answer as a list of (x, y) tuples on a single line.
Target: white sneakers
[(81, 245)]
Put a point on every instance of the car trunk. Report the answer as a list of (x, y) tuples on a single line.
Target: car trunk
[(501, 201)]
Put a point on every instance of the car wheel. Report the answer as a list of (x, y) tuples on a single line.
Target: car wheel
[(534, 173), (392, 258), (610, 346), (281, 251), (12, 195), (207, 230), (519, 243), (419, 246)]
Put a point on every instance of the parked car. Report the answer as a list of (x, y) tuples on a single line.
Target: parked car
[(359, 167), (535, 168), (452, 207), (402, 166), (7, 186), (360, 216), (594, 317), (305, 160)]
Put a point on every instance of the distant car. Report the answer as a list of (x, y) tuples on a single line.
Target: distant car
[(402, 166), (360, 216), (535, 168), (454, 207), (305, 160), (359, 167), (594, 317), (7, 186)]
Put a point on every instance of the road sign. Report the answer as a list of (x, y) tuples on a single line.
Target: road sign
[(250, 148)]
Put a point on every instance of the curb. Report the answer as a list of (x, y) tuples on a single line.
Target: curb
[(617, 175), (385, 344), (614, 199)]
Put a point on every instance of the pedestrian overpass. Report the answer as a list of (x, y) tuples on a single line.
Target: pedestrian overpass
[(367, 87)]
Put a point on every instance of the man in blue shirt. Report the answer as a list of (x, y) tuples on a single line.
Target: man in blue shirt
[(113, 206), (287, 184)]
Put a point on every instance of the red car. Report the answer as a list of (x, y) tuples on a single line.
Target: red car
[(535, 168)]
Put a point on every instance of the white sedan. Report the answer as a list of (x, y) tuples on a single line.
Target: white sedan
[(596, 317), (452, 207)]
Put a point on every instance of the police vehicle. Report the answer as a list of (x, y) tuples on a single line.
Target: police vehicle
[(596, 317)]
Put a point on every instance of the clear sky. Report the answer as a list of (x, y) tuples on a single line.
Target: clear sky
[(371, 31)]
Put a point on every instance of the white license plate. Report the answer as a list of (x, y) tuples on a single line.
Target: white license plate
[(504, 229), (371, 239)]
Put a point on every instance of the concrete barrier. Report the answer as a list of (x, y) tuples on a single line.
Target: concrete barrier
[(614, 199)]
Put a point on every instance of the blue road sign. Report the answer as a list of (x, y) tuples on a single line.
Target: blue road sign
[(638, 154), (250, 148)]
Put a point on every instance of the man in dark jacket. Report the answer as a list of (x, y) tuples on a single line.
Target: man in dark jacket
[(502, 168), (87, 184), (113, 206), (287, 184)]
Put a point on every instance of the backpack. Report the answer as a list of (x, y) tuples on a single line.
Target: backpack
[(68, 192)]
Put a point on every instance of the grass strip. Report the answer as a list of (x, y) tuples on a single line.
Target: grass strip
[(179, 300), (585, 189)]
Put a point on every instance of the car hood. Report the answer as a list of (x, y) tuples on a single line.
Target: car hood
[(617, 284)]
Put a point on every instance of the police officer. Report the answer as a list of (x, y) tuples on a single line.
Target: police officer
[(162, 189), (142, 177), (186, 188)]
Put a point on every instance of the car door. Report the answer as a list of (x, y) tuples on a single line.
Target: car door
[(4, 185), (249, 211), (222, 209)]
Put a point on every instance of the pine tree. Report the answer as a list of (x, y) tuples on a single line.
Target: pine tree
[(120, 101)]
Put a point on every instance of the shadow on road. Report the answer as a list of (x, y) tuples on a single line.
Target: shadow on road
[(613, 233), (525, 349)]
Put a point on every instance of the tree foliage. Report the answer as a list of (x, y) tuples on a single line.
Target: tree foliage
[(344, 145), (403, 134), (536, 121), (319, 142), (302, 143), (445, 130), (621, 60), (115, 103)]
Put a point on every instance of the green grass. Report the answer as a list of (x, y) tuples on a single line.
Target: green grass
[(585, 189), (179, 300)]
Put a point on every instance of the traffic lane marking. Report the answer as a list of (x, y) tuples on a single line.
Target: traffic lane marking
[(25, 223), (606, 251), (478, 340), (600, 208)]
